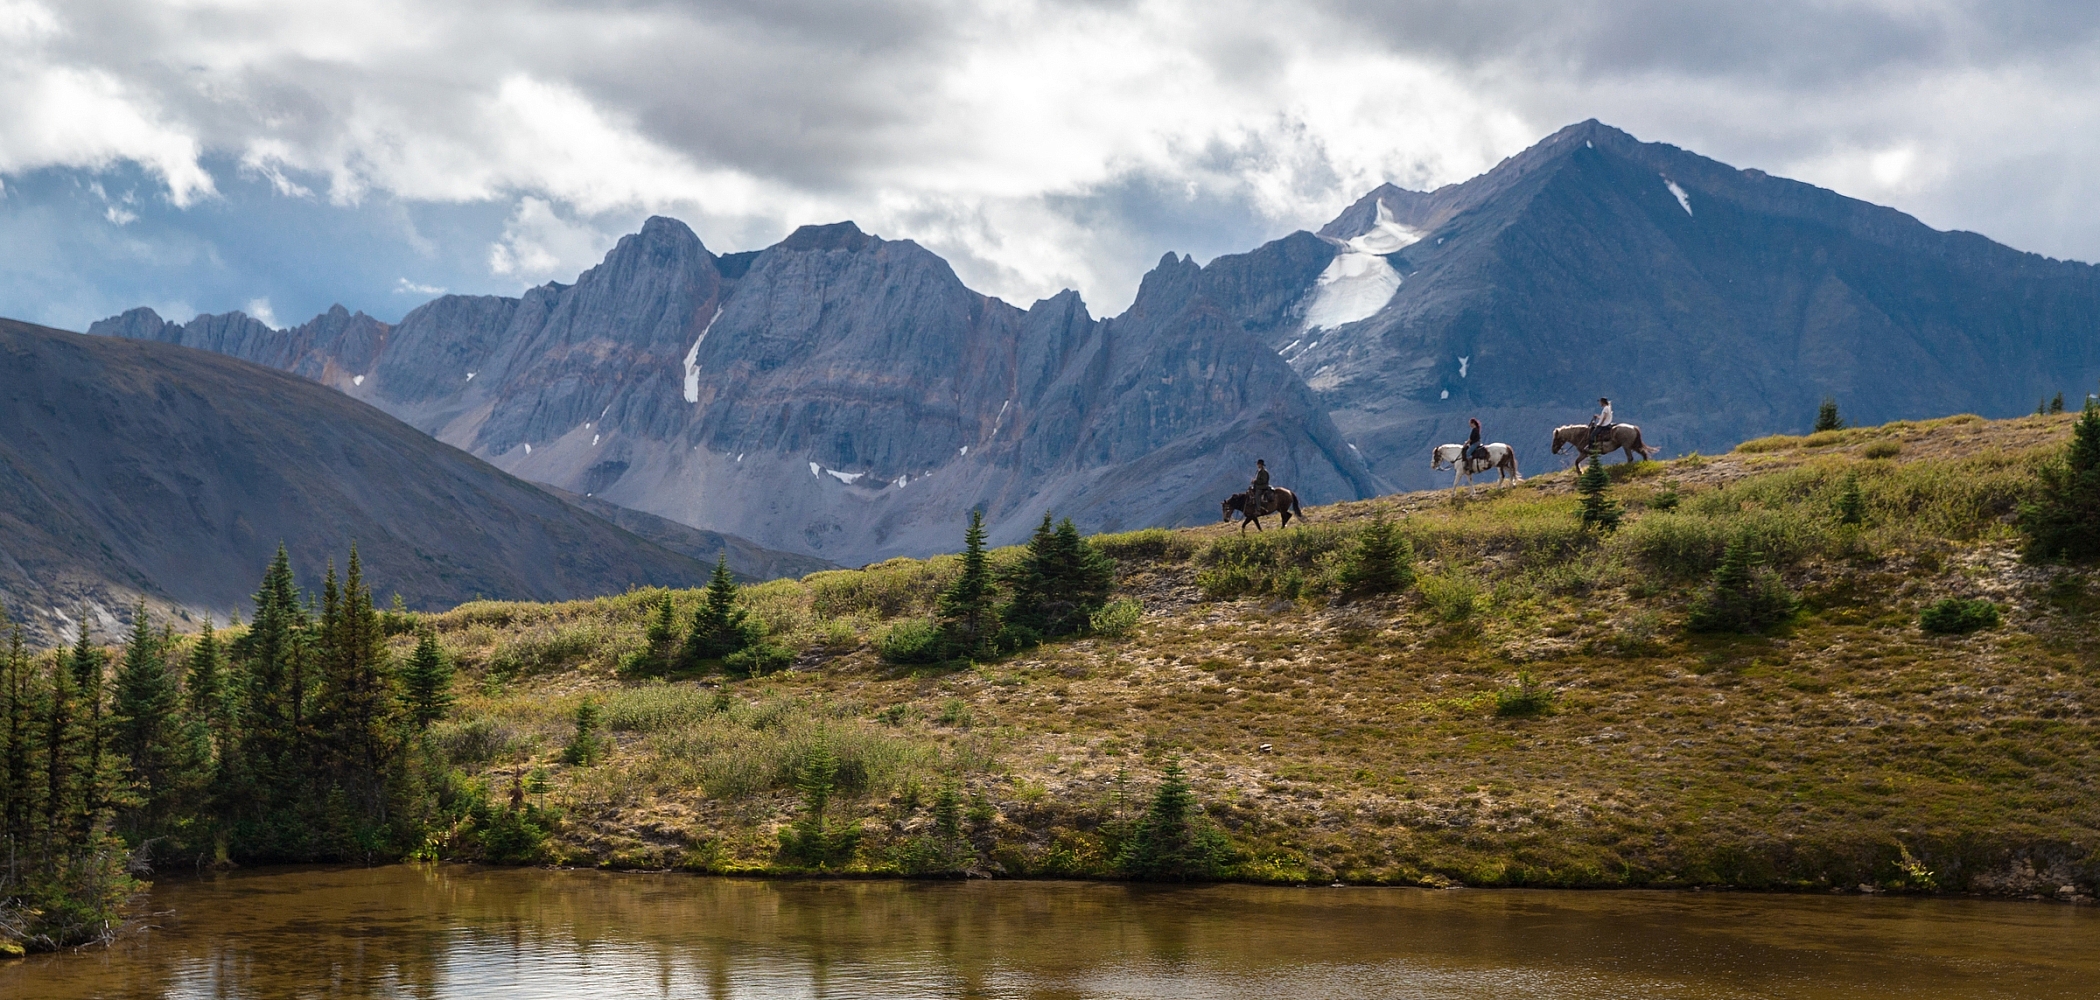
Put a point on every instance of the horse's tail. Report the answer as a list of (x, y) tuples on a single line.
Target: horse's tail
[(1642, 446), (1512, 458), (1295, 509)]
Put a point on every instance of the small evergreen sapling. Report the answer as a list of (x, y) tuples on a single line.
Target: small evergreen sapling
[(719, 627), (2056, 405), (1171, 843), (1598, 509), (810, 840), (2063, 519), (1827, 418), (662, 635), (426, 685), (967, 615), (1851, 504), (1744, 596), (1383, 562), (586, 747)]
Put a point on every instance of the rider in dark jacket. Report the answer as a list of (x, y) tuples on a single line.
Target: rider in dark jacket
[(1474, 451), (1259, 491)]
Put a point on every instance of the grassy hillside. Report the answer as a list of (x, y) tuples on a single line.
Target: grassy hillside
[(1383, 739)]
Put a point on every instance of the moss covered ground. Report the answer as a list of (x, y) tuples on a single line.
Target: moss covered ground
[(1370, 739)]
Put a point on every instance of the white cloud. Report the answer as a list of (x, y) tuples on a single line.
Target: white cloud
[(1040, 143), (538, 244), (407, 287), (259, 309)]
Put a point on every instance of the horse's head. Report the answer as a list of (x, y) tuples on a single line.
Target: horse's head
[(1437, 459), (1560, 437), (1237, 501)]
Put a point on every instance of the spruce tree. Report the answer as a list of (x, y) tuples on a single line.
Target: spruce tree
[(1168, 844), (1057, 584), (207, 693), (90, 667), (2063, 519), (1743, 595), (1598, 509), (2057, 405), (718, 628), (1851, 504), (17, 729), (662, 635), (353, 713), (271, 659), (64, 811), (967, 616), (426, 685), (144, 727), (1383, 562), (1827, 418)]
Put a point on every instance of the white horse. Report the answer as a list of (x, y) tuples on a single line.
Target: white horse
[(1501, 458)]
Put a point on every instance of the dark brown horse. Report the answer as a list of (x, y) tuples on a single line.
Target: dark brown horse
[(1282, 501), (1624, 437)]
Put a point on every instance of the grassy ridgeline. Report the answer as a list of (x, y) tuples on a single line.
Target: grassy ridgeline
[(1844, 746)]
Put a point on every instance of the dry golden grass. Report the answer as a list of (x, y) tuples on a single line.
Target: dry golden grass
[(1359, 739)]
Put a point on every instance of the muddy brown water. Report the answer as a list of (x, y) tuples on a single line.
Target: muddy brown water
[(457, 931)]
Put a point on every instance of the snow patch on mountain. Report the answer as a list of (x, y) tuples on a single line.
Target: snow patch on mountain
[(692, 361), (1359, 282), (1682, 201)]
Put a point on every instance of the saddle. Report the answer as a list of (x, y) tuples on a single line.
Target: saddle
[(1262, 499)]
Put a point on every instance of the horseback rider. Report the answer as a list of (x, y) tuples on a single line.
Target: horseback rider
[(1601, 424), (1475, 451), (1258, 492)]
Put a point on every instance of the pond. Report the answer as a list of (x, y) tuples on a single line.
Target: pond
[(464, 931)]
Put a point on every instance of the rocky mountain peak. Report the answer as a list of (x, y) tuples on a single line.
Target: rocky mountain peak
[(833, 236)]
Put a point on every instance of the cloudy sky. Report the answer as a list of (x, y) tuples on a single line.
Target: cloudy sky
[(280, 156)]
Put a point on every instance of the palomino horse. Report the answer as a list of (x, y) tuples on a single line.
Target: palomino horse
[(1624, 437), (1282, 502), (1501, 458)]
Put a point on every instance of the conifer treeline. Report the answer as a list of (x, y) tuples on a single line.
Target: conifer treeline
[(297, 741)]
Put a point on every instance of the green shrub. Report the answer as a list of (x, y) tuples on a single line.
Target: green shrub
[(1152, 545), (1743, 596), (911, 641), (1454, 596), (1118, 619), (547, 649), (1665, 499), (758, 660), (1883, 449), (1526, 697), (1235, 566), (655, 707), (476, 742), (955, 712), (1955, 616)]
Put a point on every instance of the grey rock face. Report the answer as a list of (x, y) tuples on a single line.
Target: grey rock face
[(1712, 305), (142, 469), (835, 394)]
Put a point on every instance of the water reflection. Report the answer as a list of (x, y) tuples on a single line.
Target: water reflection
[(471, 932)]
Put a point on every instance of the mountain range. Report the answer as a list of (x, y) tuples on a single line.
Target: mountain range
[(134, 470), (846, 396)]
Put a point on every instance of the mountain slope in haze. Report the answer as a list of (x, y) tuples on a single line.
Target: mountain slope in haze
[(836, 394), (134, 469), (1710, 303)]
